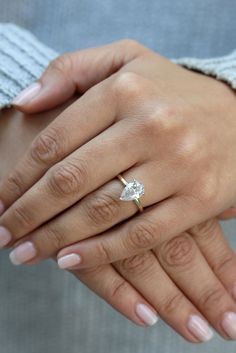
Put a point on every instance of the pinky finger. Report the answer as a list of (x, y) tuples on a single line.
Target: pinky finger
[(119, 293)]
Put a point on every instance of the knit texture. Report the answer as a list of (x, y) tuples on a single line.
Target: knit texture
[(222, 68), (22, 60)]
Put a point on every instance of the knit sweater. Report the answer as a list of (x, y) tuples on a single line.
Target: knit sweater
[(23, 58)]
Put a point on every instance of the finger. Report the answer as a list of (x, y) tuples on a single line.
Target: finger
[(68, 181), (143, 232), (76, 72), (144, 272), (212, 242), (119, 293), (228, 214), (95, 213), (78, 124), (181, 258)]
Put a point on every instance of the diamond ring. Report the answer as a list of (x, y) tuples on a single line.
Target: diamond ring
[(132, 191)]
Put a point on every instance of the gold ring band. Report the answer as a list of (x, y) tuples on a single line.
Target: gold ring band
[(136, 199)]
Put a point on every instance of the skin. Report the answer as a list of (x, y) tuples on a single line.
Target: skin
[(160, 115)]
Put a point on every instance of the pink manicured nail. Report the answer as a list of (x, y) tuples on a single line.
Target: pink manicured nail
[(199, 328), (229, 324), (27, 94), (148, 316), (2, 207), (23, 253), (68, 261), (5, 236)]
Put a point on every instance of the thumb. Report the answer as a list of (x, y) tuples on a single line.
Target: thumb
[(75, 72)]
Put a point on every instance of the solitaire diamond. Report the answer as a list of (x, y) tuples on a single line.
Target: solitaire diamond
[(133, 190)]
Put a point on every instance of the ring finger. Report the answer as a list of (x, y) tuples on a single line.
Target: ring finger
[(95, 213)]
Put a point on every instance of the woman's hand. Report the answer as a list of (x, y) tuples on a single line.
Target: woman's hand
[(150, 120), (131, 286)]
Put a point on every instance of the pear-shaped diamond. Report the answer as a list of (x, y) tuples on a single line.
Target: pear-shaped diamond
[(133, 190)]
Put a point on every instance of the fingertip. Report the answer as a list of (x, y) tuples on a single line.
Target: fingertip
[(26, 96), (45, 94)]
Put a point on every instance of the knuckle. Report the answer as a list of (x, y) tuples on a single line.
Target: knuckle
[(142, 235), (101, 209), (89, 272), (62, 64), (48, 146), (212, 298), (187, 147), (178, 251), (101, 253), (15, 184), (140, 264), (68, 178), (22, 217), (205, 229), (55, 238), (127, 85), (117, 289), (159, 122), (209, 191), (128, 42), (207, 185), (224, 263), (172, 304), (133, 45)]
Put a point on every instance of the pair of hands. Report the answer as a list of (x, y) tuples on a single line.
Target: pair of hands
[(144, 117)]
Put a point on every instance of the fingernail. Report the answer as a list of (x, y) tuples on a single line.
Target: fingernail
[(2, 207), (27, 94), (5, 236), (229, 324), (199, 328), (148, 316), (23, 253), (68, 261)]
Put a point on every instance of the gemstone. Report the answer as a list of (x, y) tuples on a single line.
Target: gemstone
[(133, 190)]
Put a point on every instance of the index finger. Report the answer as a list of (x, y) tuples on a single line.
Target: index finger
[(83, 120)]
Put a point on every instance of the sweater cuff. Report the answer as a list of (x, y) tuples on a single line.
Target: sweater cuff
[(222, 68), (22, 61)]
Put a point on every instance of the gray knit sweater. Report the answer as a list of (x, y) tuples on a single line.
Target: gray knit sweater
[(23, 59)]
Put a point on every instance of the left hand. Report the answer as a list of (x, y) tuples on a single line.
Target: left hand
[(141, 116), (156, 281)]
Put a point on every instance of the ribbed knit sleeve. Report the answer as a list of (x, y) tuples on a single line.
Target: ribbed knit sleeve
[(22, 60), (222, 68)]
